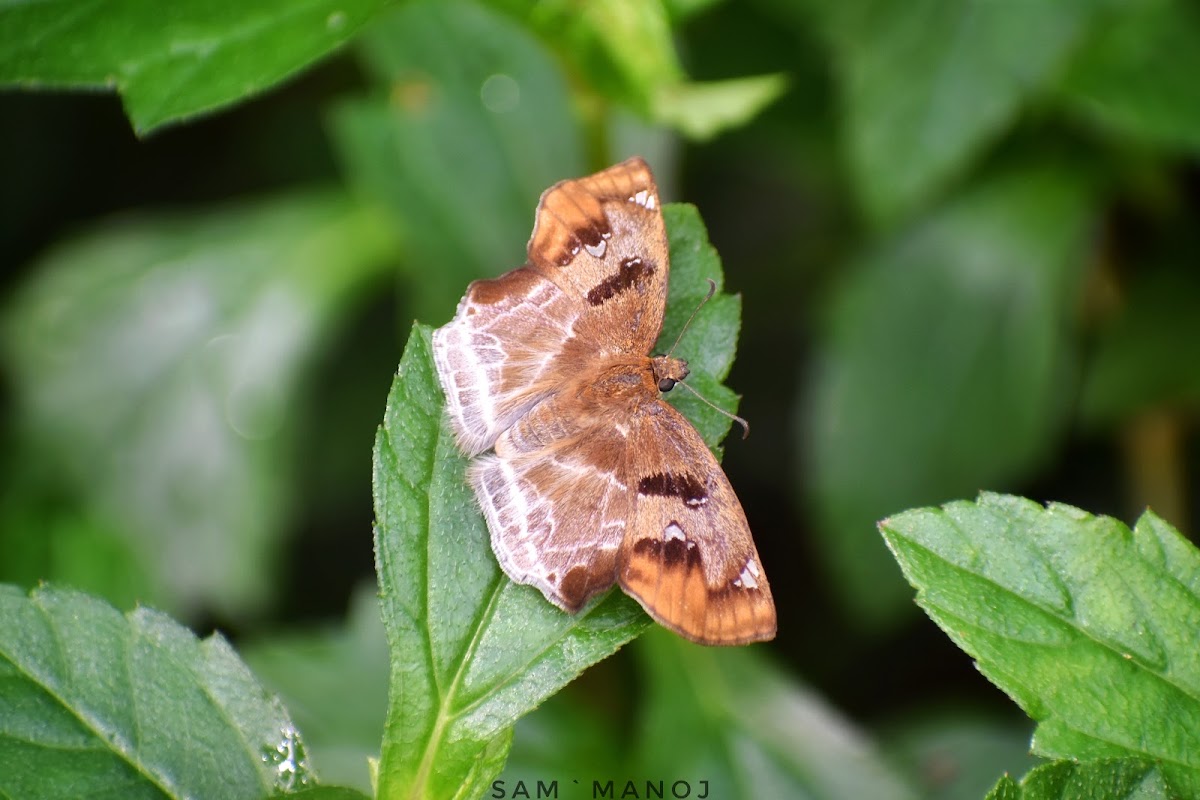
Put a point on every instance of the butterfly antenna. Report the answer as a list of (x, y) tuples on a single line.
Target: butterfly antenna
[(712, 289), (745, 425)]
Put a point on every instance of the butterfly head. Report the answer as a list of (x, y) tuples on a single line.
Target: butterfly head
[(668, 371)]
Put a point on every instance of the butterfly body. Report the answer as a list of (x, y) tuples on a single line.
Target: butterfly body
[(593, 479)]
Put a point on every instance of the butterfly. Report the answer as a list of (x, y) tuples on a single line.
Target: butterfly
[(585, 475)]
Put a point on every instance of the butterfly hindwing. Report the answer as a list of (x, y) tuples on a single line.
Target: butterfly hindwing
[(554, 501), (688, 556)]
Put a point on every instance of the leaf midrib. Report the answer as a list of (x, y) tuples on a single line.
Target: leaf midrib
[(445, 716)]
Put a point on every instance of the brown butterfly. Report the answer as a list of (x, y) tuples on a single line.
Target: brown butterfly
[(593, 478)]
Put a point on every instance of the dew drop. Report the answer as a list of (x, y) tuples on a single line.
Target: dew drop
[(290, 761)]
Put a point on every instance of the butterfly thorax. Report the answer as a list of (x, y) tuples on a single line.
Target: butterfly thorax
[(619, 382), (612, 390), (625, 381)]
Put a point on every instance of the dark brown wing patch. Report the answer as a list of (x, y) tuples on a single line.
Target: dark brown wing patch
[(632, 272), (686, 487)]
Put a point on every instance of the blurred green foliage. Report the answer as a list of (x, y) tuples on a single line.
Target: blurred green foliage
[(154, 364), (963, 236)]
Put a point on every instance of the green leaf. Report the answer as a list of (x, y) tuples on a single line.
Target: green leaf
[(155, 365), (1112, 779), (456, 78), (700, 111), (323, 793), (311, 671), (472, 651), (710, 343), (927, 86), (94, 703), (624, 47), (1148, 355), (727, 716), (625, 50), (197, 58), (1089, 627), (1135, 75), (1005, 789), (947, 356)]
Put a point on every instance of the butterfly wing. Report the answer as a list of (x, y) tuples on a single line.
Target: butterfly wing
[(554, 501), (602, 240), (502, 353), (688, 556), (595, 285)]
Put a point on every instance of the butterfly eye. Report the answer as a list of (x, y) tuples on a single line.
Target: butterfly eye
[(666, 384)]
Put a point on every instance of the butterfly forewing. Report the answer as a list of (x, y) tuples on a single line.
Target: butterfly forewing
[(594, 479), (595, 284), (502, 353)]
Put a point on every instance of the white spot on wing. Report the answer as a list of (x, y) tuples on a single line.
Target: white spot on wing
[(748, 576), (646, 199), (673, 531), (597, 250)]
